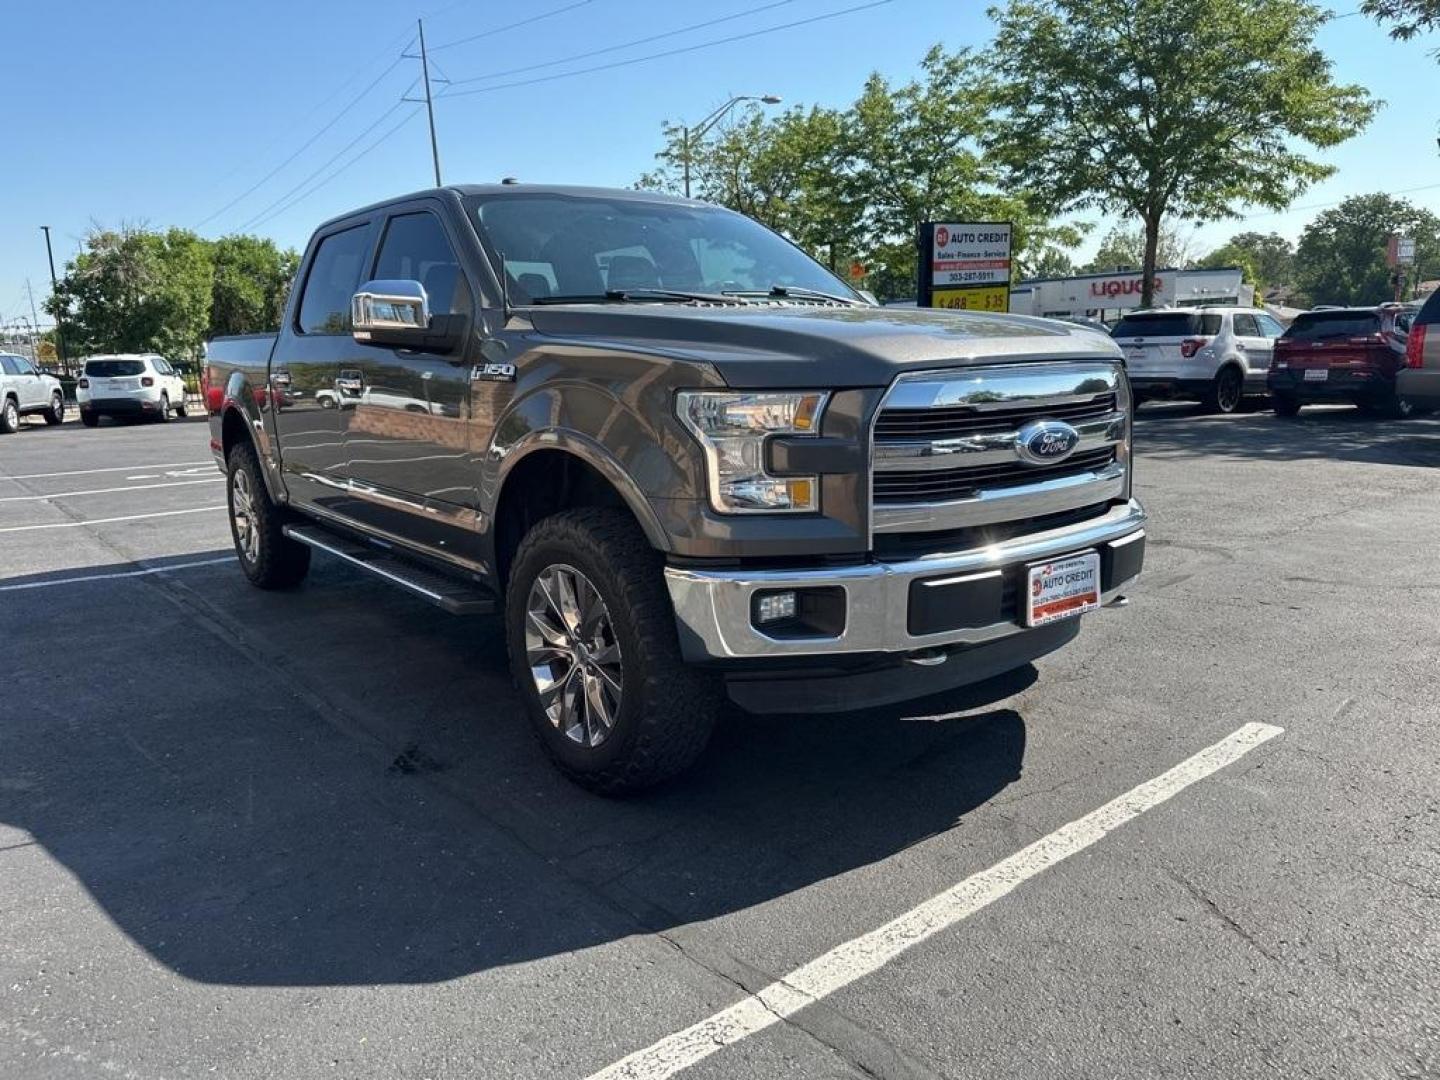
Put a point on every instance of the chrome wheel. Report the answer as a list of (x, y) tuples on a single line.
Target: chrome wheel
[(573, 654), (242, 515)]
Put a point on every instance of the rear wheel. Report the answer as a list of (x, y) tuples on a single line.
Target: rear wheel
[(1285, 404), (9, 417), (90, 419), (55, 414), (594, 651), (164, 416), (270, 559), (1226, 392)]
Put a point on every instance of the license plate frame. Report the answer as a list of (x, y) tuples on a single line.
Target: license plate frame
[(1316, 374), (1062, 588)]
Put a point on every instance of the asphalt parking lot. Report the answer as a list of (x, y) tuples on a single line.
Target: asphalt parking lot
[(293, 835)]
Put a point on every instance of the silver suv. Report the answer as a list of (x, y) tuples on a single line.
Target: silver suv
[(1214, 355), (23, 390)]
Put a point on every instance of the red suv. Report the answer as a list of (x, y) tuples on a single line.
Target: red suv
[(1341, 354)]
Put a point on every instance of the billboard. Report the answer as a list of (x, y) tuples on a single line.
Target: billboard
[(965, 265)]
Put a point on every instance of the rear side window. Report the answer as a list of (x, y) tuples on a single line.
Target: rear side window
[(8, 366), (1430, 313), (114, 369), (1161, 324), (1245, 325), (1319, 325), (416, 248), (334, 276)]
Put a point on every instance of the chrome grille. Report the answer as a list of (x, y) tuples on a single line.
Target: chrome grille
[(947, 447), (943, 485)]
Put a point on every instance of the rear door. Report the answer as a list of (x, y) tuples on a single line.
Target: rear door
[(313, 347), (408, 435), (1252, 344)]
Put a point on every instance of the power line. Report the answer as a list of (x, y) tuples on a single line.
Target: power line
[(510, 26), (316, 187), (629, 44), (263, 214), (669, 52), (1326, 205), (310, 141)]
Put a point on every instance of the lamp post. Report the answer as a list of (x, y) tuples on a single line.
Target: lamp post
[(59, 333), (691, 135)]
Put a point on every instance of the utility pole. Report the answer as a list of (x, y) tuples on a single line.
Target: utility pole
[(429, 101), (54, 288)]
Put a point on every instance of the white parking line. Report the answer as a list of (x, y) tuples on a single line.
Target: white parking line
[(111, 468), (108, 491), (861, 956), (111, 577), (109, 520)]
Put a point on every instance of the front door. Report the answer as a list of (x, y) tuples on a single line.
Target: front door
[(32, 389), (407, 434)]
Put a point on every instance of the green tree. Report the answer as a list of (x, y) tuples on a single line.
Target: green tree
[(1269, 257), (854, 184), (249, 285), (1124, 245), (1160, 108), (1407, 18), (1341, 254)]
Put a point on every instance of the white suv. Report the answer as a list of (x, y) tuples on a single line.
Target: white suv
[(1215, 355), (129, 384)]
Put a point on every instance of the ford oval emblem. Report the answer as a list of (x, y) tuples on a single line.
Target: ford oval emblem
[(1046, 442)]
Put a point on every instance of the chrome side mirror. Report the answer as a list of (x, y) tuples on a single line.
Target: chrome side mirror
[(388, 306)]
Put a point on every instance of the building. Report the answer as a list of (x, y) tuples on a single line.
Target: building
[(1107, 295)]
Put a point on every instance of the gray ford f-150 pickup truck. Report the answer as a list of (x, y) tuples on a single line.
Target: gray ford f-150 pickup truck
[(679, 457)]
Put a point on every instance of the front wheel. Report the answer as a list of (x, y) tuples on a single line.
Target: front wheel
[(1226, 392), (594, 651), (9, 417), (182, 410), (55, 414), (269, 558), (1399, 408)]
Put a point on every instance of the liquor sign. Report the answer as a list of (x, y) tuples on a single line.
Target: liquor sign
[(965, 265)]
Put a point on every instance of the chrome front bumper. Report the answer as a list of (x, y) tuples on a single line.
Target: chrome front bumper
[(713, 608)]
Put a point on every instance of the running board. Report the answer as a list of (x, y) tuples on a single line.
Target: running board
[(454, 596)]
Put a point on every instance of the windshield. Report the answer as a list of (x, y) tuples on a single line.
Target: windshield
[(583, 246), (112, 369), (1317, 325)]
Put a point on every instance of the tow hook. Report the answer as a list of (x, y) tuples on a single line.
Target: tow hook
[(927, 657)]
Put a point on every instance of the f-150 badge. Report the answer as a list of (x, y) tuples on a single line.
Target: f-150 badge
[(492, 373)]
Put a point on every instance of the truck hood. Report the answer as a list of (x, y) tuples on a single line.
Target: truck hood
[(793, 345)]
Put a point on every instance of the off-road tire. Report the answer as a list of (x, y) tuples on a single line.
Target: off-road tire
[(55, 414), (164, 417), (667, 708), (1285, 404), (1227, 391), (279, 562), (89, 419)]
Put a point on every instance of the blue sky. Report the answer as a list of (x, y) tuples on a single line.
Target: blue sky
[(164, 111)]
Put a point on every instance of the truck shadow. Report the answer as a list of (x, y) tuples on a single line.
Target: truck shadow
[(336, 786), (1336, 433)]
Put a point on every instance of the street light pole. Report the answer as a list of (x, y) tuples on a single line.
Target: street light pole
[(689, 135), (54, 288)]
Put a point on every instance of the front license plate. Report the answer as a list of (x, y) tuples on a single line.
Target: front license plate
[(1316, 374), (1063, 588)]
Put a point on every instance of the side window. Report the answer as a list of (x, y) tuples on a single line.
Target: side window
[(24, 366), (1245, 325), (333, 278), (1269, 325), (416, 248), (1210, 322), (7, 366)]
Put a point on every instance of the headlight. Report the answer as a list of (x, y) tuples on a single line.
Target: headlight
[(732, 429)]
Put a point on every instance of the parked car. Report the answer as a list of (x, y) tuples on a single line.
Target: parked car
[(1418, 382), (26, 390), (129, 385), (1330, 355), (1212, 354), (681, 459)]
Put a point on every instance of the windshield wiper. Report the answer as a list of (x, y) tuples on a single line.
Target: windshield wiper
[(798, 292), (627, 296)]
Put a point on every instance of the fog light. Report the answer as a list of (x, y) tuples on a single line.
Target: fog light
[(772, 607)]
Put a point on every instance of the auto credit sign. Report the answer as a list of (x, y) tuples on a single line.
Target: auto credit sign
[(965, 265)]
